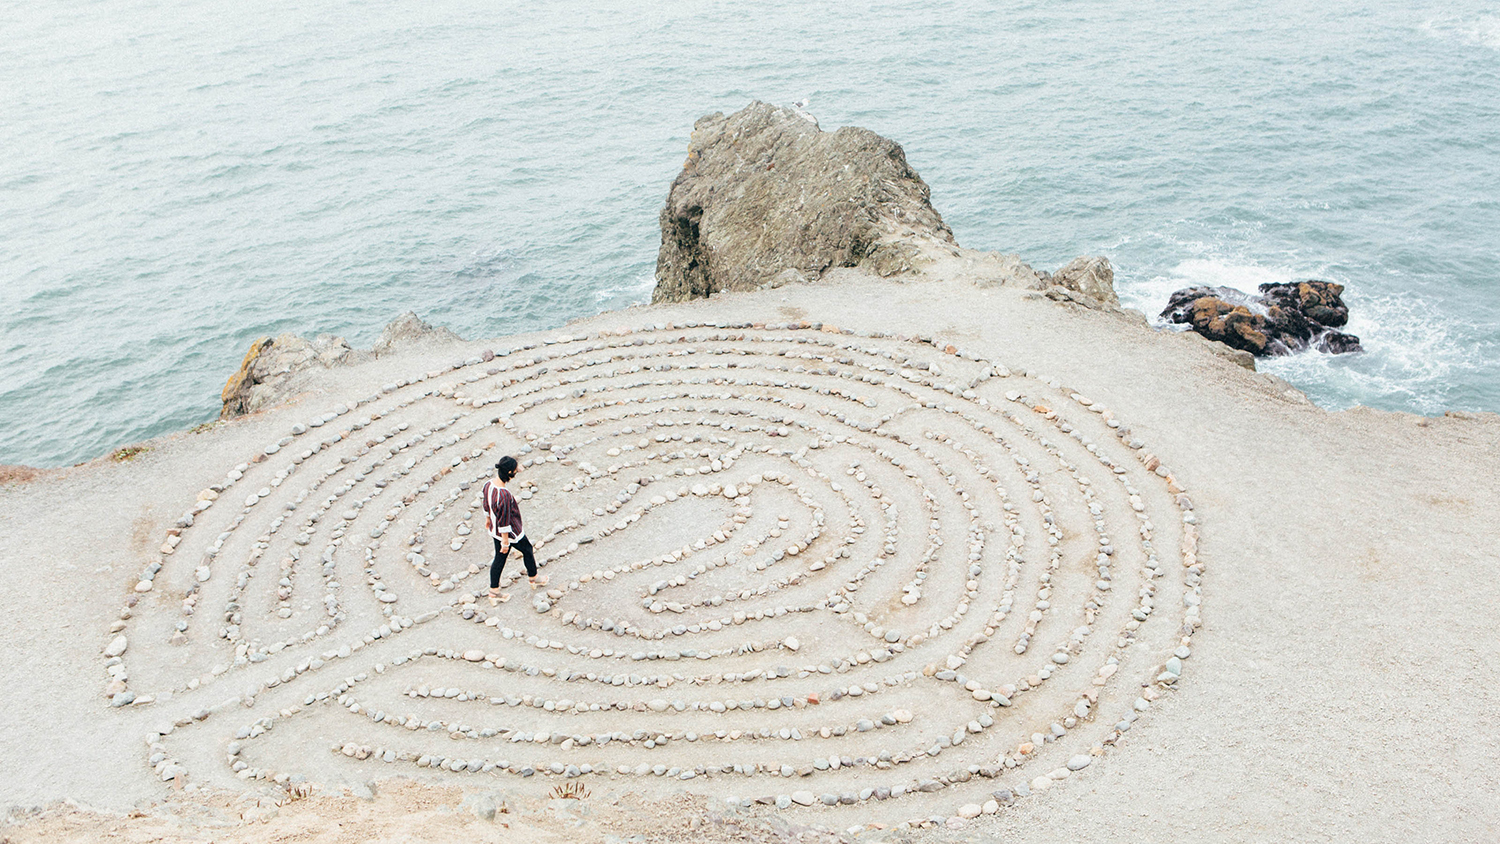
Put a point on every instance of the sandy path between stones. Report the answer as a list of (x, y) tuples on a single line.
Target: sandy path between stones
[(1341, 686)]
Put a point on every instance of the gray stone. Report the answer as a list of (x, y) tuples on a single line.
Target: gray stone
[(1091, 276), (408, 329)]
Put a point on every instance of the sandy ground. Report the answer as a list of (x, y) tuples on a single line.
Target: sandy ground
[(1341, 685)]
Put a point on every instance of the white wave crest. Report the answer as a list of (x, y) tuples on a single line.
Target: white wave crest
[(637, 291), (1483, 31)]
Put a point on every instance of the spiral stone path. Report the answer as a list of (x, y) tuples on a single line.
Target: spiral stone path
[(790, 565)]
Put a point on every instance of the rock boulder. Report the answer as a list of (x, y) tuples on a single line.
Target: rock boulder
[(408, 329), (1283, 319), (271, 364), (1092, 276), (766, 198), (270, 371)]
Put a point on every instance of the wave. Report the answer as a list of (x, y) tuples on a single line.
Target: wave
[(637, 291), (1483, 31)]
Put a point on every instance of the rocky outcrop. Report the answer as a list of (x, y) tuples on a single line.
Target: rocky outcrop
[(766, 198), (1284, 318), (1091, 276), (409, 329), (270, 371), (272, 363)]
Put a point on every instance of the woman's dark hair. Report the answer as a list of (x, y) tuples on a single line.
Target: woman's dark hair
[(506, 468)]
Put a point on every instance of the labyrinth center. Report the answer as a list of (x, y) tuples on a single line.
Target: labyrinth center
[(789, 565)]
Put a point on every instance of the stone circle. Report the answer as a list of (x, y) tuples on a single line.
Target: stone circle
[(791, 565)]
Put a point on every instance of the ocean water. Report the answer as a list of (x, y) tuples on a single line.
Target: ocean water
[(180, 178)]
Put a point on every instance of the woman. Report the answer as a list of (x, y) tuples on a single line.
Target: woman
[(502, 518)]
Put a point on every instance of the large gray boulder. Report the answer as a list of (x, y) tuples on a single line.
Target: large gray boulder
[(767, 198)]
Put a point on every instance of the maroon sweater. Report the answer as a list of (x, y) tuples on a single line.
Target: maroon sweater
[(503, 514)]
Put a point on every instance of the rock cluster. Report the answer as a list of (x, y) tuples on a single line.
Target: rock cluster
[(268, 374), (765, 198), (1284, 318)]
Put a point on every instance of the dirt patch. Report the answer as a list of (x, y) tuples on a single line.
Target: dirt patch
[(18, 474)]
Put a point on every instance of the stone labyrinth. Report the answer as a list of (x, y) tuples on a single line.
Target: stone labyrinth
[(790, 565)]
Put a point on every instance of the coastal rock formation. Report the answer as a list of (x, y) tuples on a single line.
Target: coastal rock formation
[(1092, 276), (268, 374), (1284, 318), (407, 329), (766, 198), (272, 363)]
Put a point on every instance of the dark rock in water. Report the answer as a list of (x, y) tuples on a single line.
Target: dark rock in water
[(1319, 300), (1337, 343), (1283, 319), (766, 198)]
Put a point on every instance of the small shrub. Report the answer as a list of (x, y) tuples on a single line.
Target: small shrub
[(129, 452), (570, 791)]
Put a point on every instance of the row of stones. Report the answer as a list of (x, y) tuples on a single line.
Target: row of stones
[(732, 491), (647, 740), (1062, 656), (889, 548)]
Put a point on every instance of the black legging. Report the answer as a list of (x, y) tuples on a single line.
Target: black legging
[(498, 565)]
